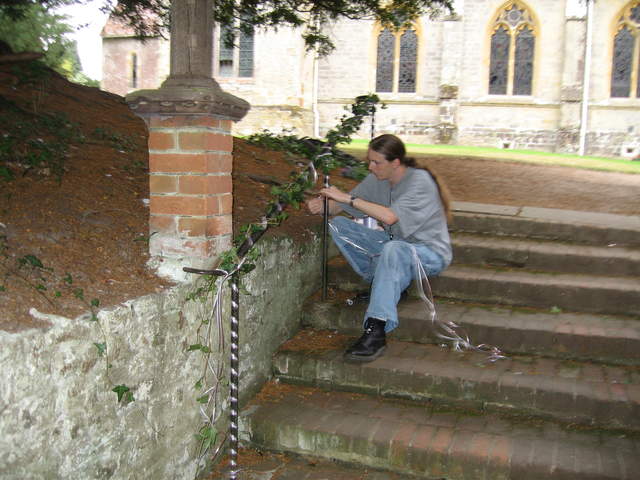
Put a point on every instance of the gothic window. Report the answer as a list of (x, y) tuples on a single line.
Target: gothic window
[(397, 61), (625, 69), (245, 54), (513, 40), (235, 53)]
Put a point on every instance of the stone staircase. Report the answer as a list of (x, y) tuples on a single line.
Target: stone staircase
[(558, 292)]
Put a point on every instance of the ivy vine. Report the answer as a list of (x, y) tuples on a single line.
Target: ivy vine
[(323, 156)]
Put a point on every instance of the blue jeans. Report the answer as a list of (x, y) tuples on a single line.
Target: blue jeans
[(388, 264)]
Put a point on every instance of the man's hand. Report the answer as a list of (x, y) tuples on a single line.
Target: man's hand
[(315, 205), (336, 194)]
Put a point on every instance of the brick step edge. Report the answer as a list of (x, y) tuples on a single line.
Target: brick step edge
[(579, 293), (403, 438), (578, 227), (544, 255), (487, 284), (572, 393), (603, 338)]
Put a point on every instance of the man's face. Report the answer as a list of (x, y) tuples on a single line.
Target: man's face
[(380, 166)]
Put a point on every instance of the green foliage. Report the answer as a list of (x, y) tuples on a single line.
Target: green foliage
[(30, 260), (197, 346), (38, 30), (117, 140), (207, 437), (313, 15), (312, 149), (322, 155), (102, 348), (124, 394)]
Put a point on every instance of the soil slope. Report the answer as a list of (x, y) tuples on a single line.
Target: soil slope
[(81, 239)]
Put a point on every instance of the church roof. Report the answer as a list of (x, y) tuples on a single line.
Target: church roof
[(117, 27)]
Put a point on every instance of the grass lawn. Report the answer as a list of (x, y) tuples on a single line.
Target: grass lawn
[(358, 147)]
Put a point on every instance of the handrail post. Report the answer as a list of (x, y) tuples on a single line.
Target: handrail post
[(325, 241), (234, 376)]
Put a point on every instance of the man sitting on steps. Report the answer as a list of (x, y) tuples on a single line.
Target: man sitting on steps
[(413, 207)]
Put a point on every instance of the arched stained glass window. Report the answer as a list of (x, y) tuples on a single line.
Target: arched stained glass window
[(625, 69), (408, 64), (523, 62), (513, 41), (397, 61), (499, 67), (384, 67)]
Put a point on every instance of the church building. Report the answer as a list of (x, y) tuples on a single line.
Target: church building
[(549, 75)]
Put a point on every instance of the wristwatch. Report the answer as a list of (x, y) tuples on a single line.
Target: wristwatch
[(353, 199)]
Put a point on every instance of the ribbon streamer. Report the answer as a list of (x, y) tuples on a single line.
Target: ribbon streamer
[(448, 331)]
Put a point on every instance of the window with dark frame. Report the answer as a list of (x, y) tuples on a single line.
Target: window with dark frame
[(625, 68), (134, 70), (512, 43), (236, 52), (396, 61)]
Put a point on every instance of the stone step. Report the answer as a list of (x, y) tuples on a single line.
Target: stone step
[(566, 226), (544, 255), (425, 441), (569, 391), (605, 338), (571, 292), (259, 464)]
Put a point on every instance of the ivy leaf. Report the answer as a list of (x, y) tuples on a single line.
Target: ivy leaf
[(102, 348), (247, 267), (124, 393), (207, 436), (67, 279), (31, 260), (203, 399), (197, 346), (95, 302)]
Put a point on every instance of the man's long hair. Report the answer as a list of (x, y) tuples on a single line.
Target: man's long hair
[(391, 147)]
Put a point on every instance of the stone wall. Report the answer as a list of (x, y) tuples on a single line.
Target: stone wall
[(59, 417), (276, 118), (280, 91), (152, 63), (453, 55), (455, 52)]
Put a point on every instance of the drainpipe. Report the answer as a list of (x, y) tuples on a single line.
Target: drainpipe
[(314, 100), (586, 82)]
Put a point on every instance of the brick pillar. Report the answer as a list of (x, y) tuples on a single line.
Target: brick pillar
[(191, 188), (189, 119)]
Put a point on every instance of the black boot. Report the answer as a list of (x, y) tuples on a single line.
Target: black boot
[(370, 345)]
